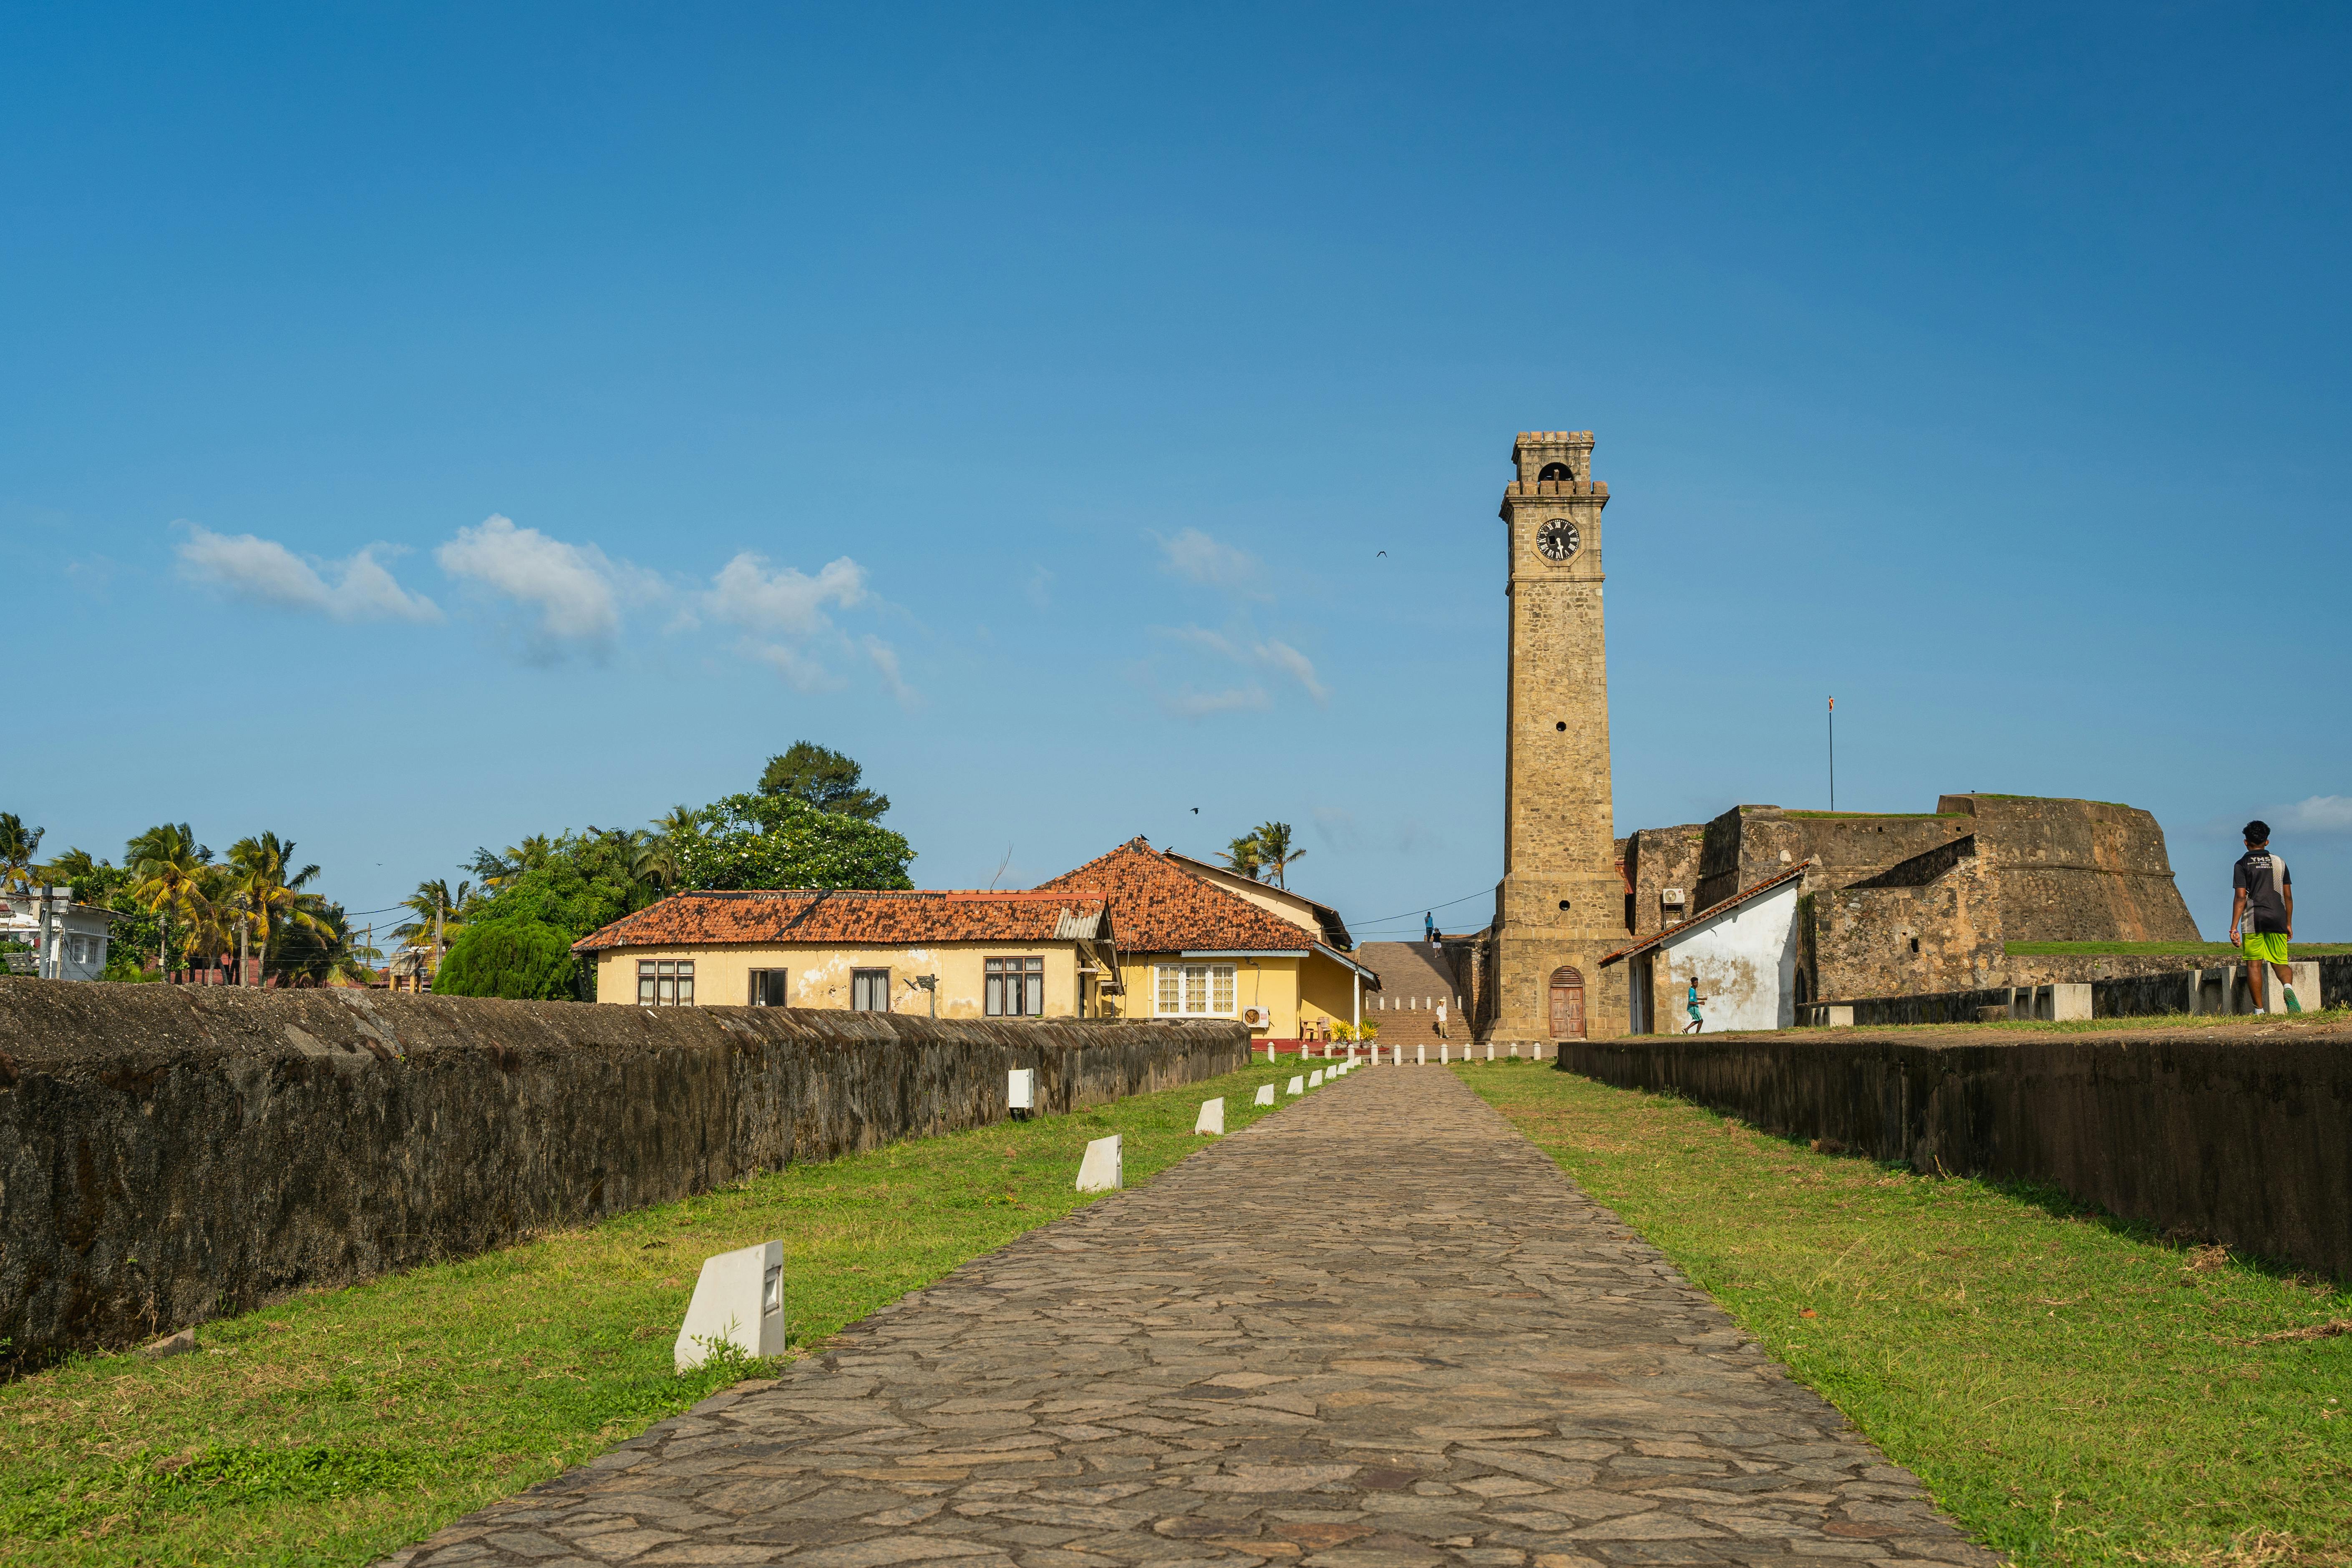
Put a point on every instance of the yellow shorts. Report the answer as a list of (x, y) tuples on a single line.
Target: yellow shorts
[(2265, 947)]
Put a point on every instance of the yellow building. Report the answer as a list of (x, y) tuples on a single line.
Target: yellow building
[(1196, 940), (942, 954)]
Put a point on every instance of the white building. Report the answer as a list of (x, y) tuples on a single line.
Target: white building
[(1743, 953), (68, 938)]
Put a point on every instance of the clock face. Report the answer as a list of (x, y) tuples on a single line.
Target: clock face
[(1557, 539)]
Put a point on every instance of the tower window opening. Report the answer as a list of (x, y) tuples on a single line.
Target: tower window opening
[(1562, 725), (1554, 473), (1563, 903), (1914, 944)]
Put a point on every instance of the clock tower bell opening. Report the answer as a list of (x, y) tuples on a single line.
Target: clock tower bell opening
[(1560, 907)]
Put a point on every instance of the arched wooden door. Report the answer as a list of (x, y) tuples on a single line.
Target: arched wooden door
[(1567, 1004)]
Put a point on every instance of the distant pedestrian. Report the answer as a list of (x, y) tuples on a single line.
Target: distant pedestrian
[(1692, 1001), (1428, 927), (2261, 917)]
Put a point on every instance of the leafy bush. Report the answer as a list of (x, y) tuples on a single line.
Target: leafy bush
[(525, 960)]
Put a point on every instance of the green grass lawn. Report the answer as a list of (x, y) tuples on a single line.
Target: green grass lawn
[(2226, 952), (341, 1425), (2073, 1390)]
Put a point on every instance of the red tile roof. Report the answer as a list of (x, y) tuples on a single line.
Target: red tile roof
[(1162, 908), (772, 916)]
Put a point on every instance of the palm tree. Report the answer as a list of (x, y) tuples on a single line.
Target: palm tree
[(18, 845), (267, 890), (497, 869), (169, 872), (76, 868), (1274, 845), (1244, 856), (656, 861), (433, 903)]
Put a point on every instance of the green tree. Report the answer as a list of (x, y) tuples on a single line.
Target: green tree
[(656, 858), (526, 960), (18, 845), (1244, 856), (1274, 849), (269, 894), (781, 841), (586, 880), (171, 875), (824, 779), (436, 904), (321, 952)]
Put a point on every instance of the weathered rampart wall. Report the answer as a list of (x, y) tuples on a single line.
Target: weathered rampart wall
[(2245, 1140), (172, 1154)]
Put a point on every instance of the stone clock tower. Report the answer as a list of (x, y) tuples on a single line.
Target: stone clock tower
[(1561, 905)]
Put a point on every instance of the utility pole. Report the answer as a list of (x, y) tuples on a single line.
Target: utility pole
[(436, 933), (244, 953), (1832, 753)]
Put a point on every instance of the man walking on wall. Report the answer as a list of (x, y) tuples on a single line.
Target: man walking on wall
[(2262, 904)]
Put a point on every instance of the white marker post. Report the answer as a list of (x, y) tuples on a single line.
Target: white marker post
[(739, 1300), (1315, 1078), (1490, 1050), (1102, 1171), (1212, 1120), (1265, 1095), (1297, 1086), (1420, 1056)]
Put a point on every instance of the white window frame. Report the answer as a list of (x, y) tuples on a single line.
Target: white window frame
[(1195, 990)]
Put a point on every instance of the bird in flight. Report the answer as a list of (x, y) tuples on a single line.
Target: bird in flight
[(1377, 555)]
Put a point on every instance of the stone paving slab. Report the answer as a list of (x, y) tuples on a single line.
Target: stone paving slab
[(1377, 1330)]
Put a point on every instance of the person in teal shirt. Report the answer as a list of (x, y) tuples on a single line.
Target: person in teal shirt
[(1696, 1019)]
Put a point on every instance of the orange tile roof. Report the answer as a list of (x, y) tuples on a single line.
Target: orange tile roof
[(788, 915), (1162, 908)]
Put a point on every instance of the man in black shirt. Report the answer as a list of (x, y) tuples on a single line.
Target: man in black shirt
[(2264, 905)]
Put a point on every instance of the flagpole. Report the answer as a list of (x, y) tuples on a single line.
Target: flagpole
[(1832, 753)]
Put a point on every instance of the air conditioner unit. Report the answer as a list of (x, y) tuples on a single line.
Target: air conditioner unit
[(1258, 1017), (1671, 897)]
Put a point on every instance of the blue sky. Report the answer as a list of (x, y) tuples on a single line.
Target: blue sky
[(427, 428)]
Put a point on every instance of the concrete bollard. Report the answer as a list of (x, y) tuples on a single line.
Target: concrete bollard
[(739, 1300), (1297, 1086), (1515, 1050), (1490, 1050), (1265, 1095), (1420, 1056), (1441, 1058), (1103, 1170), (1212, 1120), (1315, 1078), (1021, 1092), (1269, 1053)]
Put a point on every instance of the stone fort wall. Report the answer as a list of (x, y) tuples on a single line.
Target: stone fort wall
[(170, 1154), (2245, 1139)]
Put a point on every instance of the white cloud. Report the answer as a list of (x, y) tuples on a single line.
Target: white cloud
[(1193, 554), (886, 659), (264, 572), (2322, 814), (804, 672), (746, 593), (1283, 657), (1040, 590), (1191, 704), (1273, 654), (571, 588)]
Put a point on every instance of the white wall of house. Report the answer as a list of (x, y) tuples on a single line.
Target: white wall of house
[(76, 935), (1745, 962)]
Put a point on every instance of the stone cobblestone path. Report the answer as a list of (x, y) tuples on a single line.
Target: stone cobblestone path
[(1377, 1328)]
